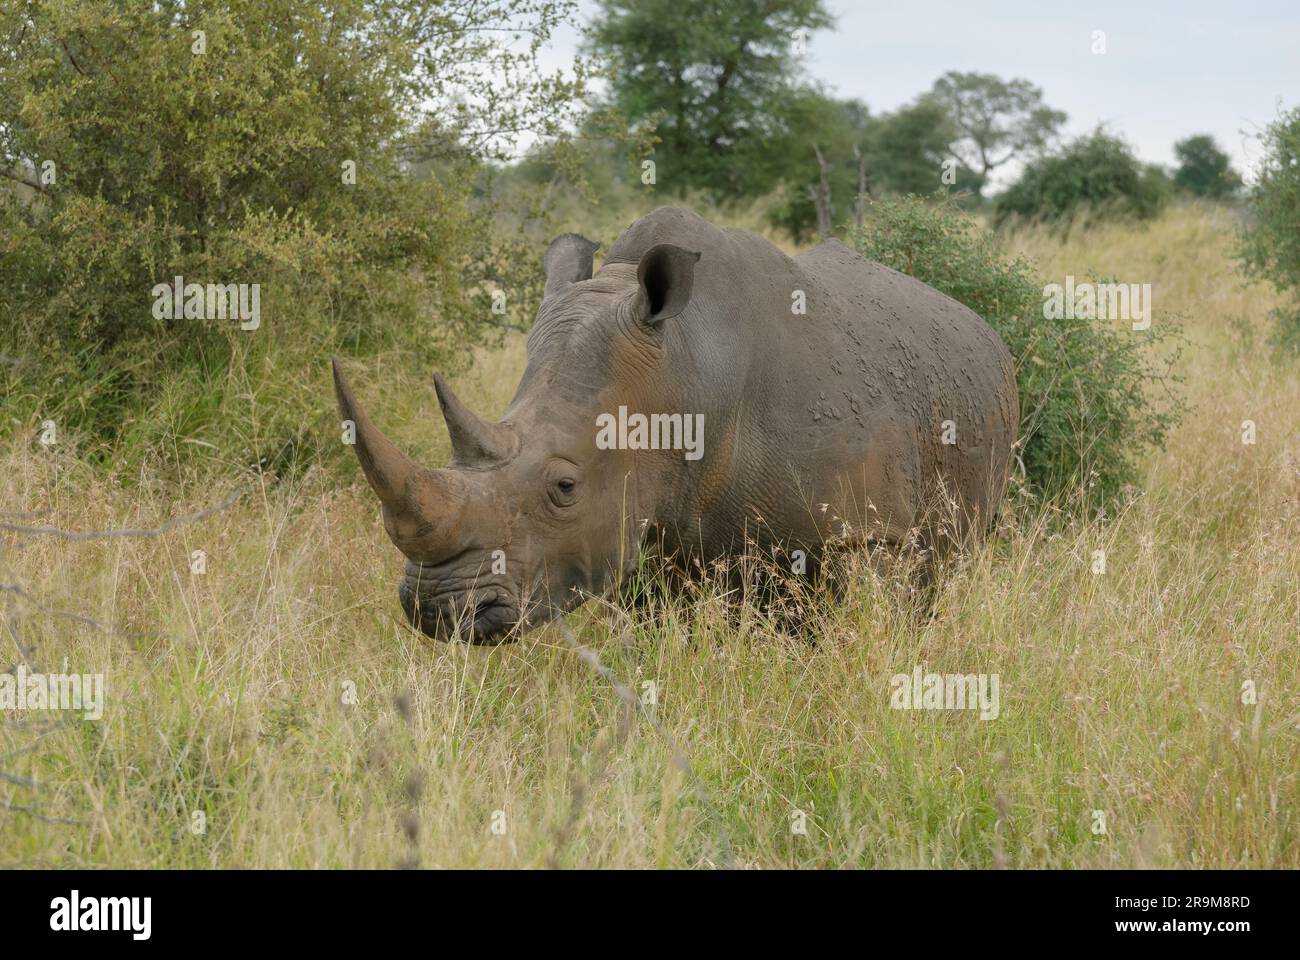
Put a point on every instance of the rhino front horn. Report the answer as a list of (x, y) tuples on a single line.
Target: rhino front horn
[(396, 478), (421, 507), (474, 441)]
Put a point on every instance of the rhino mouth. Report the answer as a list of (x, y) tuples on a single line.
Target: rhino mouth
[(444, 605), (485, 615)]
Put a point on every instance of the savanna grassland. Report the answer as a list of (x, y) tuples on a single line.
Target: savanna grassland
[(281, 695)]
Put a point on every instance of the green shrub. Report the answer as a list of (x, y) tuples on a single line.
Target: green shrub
[(1087, 410), (1097, 173), (287, 144), (1269, 247)]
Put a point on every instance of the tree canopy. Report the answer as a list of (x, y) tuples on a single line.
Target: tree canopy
[(994, 120), (1203, 169), (715, 79)]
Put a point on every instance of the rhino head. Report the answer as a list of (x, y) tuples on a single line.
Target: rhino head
[(531, 517)]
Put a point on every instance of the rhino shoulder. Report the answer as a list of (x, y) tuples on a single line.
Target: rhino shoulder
[(678, 225)]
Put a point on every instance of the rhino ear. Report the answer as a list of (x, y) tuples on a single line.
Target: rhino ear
[(666, 274), (569, 258)]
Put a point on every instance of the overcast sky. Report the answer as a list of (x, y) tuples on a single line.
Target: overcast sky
[(1170, 68)]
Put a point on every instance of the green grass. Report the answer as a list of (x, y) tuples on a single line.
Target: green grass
[(1120, 692)]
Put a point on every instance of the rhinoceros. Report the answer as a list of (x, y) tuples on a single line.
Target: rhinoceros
[(702, 391)]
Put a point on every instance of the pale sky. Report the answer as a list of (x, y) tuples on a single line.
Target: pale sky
[(1170, 68)]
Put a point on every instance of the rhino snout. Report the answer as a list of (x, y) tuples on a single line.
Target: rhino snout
[(477, 611)]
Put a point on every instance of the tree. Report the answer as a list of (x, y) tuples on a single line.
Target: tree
[(812, 158), (906, 151), (1269, 247), (834, 152), (1098, 172), (1203, 169), (712, 76), (995, 120)]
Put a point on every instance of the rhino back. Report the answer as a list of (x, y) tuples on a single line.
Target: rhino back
[(825, 421), (905, 365)]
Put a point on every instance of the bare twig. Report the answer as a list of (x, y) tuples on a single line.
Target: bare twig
[(9, 174), (19, 591), (124, 532), (821, 195), (502, 325), (27, 749), (25, 514), (15, 779), (35, 814), (71, 59)]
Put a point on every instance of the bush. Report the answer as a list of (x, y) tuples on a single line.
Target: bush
[(1096, 173), (1086, 409), (285, 144), (1269, 247), (1204, 170)]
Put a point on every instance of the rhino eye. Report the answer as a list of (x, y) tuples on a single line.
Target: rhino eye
[(564, 492)]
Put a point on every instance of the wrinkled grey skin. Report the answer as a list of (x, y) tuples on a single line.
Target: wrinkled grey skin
[(820, 427)]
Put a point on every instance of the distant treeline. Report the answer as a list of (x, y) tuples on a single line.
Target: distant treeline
[(721, 90)]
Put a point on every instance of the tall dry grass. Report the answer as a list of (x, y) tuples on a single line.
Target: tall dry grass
[(1121, 692)]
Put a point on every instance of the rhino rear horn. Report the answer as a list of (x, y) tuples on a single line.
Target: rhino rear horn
[(474, 441), (569, 259)]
